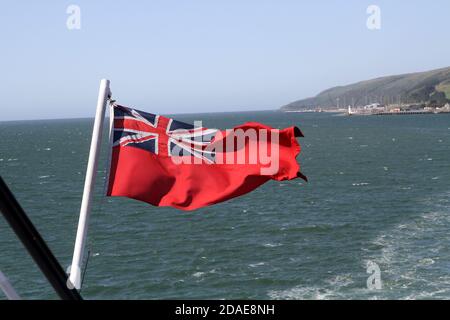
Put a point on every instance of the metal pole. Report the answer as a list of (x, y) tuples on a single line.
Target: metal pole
[(91, 173), (33, 242), (7, 288)]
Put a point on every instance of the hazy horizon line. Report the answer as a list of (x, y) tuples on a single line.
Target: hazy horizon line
[(164, 114)]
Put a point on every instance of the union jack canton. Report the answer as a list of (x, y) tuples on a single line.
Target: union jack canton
[(160, 135)]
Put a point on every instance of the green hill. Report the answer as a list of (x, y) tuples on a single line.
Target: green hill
[(421, 87)]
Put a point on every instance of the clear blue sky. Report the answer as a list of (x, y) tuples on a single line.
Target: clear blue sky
[(200, 56)]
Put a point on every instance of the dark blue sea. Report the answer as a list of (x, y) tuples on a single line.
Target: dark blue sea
[(378, 193)]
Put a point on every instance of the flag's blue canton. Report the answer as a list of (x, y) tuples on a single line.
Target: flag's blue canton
[(133, 138), (179, 138)]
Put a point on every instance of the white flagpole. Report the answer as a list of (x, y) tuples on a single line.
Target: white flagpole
[(91, 172)]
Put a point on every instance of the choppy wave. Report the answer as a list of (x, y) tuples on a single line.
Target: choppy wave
[(414, 256), (332, 288)]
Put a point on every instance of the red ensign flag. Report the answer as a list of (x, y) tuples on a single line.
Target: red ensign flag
[(166, 162)]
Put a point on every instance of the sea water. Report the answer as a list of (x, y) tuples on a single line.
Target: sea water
[(378, 194)]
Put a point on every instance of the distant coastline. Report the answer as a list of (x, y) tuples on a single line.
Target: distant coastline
[(379, 110), (414, 93)]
